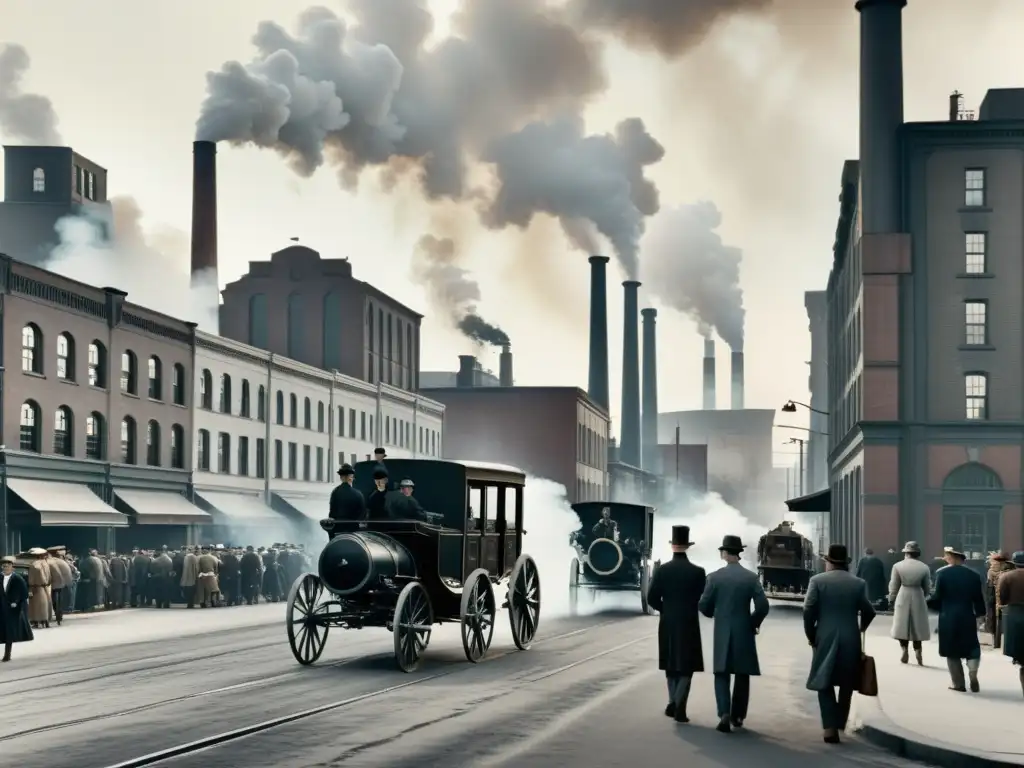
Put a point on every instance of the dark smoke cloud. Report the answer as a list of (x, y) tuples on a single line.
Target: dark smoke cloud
[(24, 117), (451, 289), (687, 266)]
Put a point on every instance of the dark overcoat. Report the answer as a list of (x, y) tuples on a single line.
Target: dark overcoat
[(872, 570), (1011, 595), (14, 626), (837, 609), (727, 598), (959, 597), (675, 591)]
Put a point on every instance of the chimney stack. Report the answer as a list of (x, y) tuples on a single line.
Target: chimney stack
[(204, 207), (466, 377), (737, 380), (505, 367), (709, 374), (649, 414), (630, 427), (954, 106), (881, 113), (598, 384)]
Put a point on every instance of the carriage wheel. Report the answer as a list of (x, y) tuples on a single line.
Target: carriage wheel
[(478, 612), (574, 587), (412, 626), (307, 631), (524, 602), (645, 584)]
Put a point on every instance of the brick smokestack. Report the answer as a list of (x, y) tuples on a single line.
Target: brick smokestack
[(736, 380), (598, 385), (629, 451), (466, 377), (204, 206), (709, 374), (649, 413), (505, 367)]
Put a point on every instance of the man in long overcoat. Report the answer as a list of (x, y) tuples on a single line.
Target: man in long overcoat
[(727, 598), (910, 583), (39, 603), (959, 597), (1011, 597), (161, 585), (250, 570), (140, 580), (189, 577), (207, 586), (60, 581), (675, 590), (14, 625), (837, 611), (118, 591), (228, 577), (872, 570), (93, 585)]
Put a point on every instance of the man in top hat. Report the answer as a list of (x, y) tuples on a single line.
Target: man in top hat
[(60, 579), (910, 583), (1011, 598), (727, 598), (837, 611), (347, 503), (675, 590), (959, 597), (14, 625), (377, 504)]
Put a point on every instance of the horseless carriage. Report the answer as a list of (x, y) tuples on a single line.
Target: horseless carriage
[(785, 563), (611, 557), (409, 575)]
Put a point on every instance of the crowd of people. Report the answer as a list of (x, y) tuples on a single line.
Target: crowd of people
[(58, 582)]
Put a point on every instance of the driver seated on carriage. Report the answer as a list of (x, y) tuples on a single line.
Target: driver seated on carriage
[(606, 528), (404, 506)]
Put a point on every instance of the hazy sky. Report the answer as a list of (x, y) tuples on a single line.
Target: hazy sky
[(127, 78)]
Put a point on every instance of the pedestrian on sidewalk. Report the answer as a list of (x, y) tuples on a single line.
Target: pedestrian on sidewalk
[(959, 597), (872, 570), (14, 625), (909, 586), (998, 564), (675, 592), (1011, 597), (837, 612), (727, 599)]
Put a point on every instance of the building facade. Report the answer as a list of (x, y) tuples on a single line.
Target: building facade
[(313, 310), (816, 303)]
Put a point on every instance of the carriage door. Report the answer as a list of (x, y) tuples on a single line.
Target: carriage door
[(475, 522), (494, 496)]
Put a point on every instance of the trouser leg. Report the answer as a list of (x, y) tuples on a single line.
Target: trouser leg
[(671, 682), (956, 674), (829, 709), (723, 696), (843, 701), (58, 605), (740, 697), (682, 693)]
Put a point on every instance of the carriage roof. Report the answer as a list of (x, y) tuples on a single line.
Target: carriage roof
[(479, 471), (614, 506)]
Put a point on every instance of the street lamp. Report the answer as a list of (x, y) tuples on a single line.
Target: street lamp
[(801, 442), (790, 407)]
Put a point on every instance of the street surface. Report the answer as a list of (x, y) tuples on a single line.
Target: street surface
[(587, 694)]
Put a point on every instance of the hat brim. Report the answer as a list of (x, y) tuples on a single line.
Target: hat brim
[(732, 550), (681, 543), (907, 550), (835, 561)]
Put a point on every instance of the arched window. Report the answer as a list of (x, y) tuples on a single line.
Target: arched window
[(156, 379), (31, 422), (332, 331), (177, 447), (243, 408), (279, 407), (66, 357), (972, 476), (203, 449), (307, 414), (225, 393), (38, 180), (31, 349), (153, 444), (293, 410), (129, 432), (258, 321), (261, 403), (178, 385), (206, 389), (129, 373), (297, 331), (94, 443), (320, 417), (63, 438), (97, 365)]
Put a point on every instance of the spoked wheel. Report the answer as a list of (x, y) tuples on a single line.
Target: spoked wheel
[(412, 626), (478, 612), (574, 587), (524, 602), (645, 584), (307, 632)]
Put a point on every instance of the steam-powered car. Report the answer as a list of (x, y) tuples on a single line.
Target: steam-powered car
[(463, 547), (613, 550), (785, 563)]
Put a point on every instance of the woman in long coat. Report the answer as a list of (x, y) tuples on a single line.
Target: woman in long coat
[(909, 586), (1011, 597), (14, 626), (39, 606)]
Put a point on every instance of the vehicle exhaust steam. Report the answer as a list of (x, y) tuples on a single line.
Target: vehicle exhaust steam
[(549, 522), (24, 117)]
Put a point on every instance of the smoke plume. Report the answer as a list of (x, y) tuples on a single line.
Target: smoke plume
[(688, 267), (24, 117), (451, 290)]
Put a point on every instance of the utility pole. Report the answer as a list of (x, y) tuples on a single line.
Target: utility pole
[(801, 442)]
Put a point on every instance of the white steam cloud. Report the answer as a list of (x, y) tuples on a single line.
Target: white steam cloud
[(549, 522)]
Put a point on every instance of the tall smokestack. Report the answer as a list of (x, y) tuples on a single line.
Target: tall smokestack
[(466, 377), (505, 367), (649, 415), (598, 385), (737, 380), (629, 452), (709, 374), (881, 113), (204, 207)]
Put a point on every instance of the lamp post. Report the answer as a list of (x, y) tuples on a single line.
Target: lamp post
[(801, 442), (790, 407)]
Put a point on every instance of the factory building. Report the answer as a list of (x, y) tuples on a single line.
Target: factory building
[(925, 340), (816, 471), (481, 377)]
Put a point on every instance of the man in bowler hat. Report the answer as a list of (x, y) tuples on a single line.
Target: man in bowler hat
[(727, 598), (835, 600), (959, 597), (675, 590), (347, 503)]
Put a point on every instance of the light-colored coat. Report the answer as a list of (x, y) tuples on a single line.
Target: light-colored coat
[(727, 598), (38, 591), (834, 602), (909, 586), (189, 570)]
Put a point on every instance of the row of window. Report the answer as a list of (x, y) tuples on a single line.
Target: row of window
[(591, 448), (31, 437)]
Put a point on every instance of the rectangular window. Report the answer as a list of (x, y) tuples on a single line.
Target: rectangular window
[(306, 461), (224, 453), (976, 247), (293, 461), (319, 465), (974, 187), (976, 390), (352, 422), (362, 425), (976, 326), (243, 456), (355, 460), (341, 421), (278, 459), (261, 460)]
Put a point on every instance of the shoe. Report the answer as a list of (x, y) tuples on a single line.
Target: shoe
[(670, 710), (723, 725), (737, 722), (975, 687), (680, 716), (920, 658), (831, 736), (905, 656), (958, 688)]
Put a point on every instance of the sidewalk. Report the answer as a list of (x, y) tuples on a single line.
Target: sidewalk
[(917, 717), (84, 631)]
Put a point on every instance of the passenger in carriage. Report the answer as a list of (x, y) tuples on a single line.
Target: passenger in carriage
[(347, 503), (404, 506), (606, 528), (377, 504)]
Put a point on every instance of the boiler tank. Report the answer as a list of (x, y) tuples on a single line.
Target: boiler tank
[(353, 563)]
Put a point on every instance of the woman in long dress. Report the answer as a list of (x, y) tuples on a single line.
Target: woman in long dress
[(909, 586)]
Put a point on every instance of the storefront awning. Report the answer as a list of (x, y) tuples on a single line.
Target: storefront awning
[(239, 508), (66, 504), (162, 508), (313, 508), (819, 501)]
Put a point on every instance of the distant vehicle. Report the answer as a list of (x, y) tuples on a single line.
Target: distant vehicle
[(408, 575), (785, 563), (613, 550)]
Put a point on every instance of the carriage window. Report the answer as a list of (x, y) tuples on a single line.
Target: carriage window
[(475, 505), (492, 492)]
